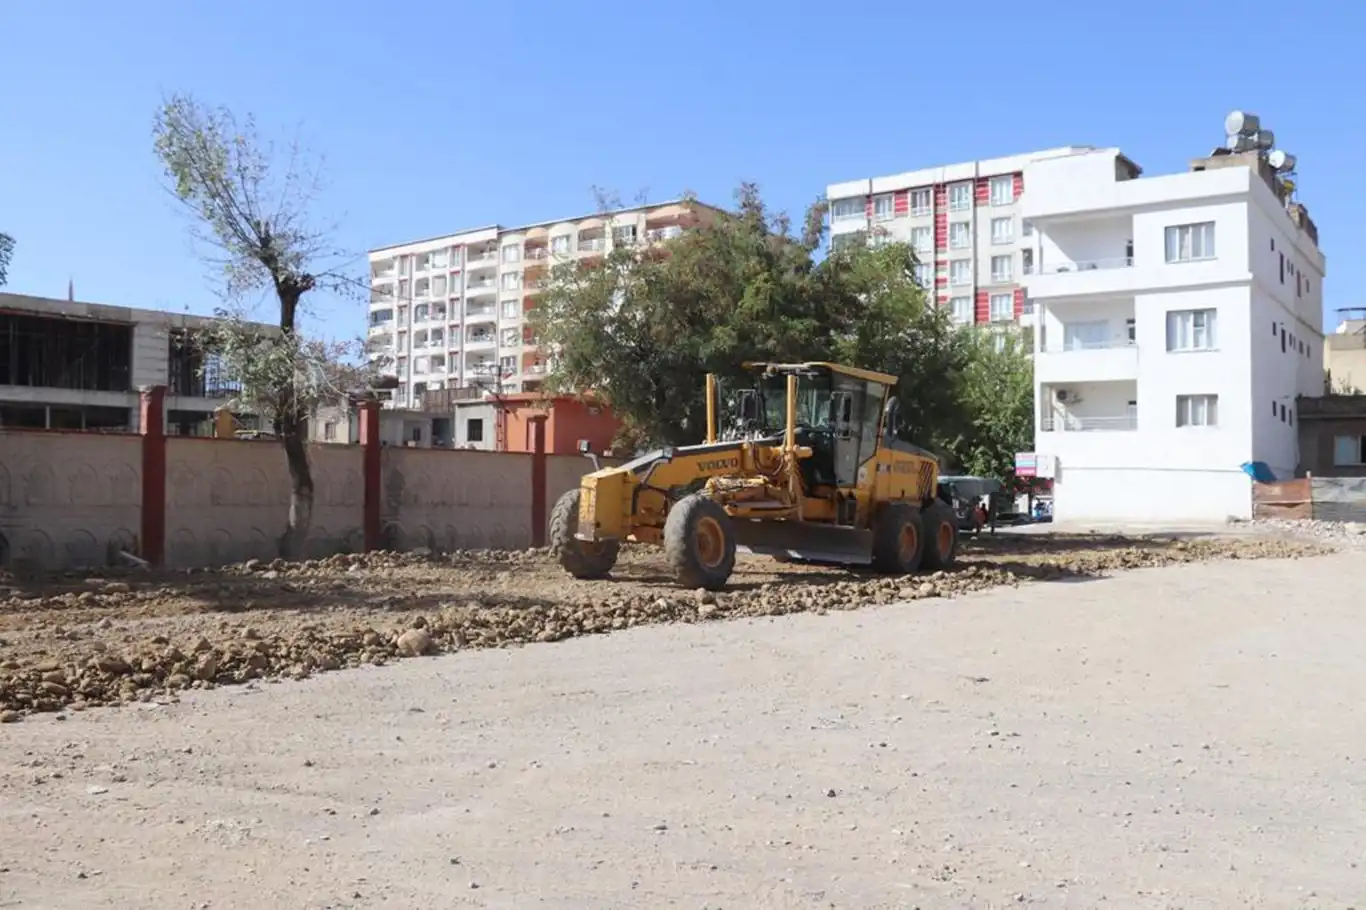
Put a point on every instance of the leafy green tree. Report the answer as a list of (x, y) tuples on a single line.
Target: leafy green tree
[(995, 392), (251, 211), (646, 325), (6, 251)]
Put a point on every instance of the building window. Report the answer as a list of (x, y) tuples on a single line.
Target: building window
[(509, 309), (960, 197), (1002, 307), (1191, 330), (330, 431), (1197, 410), (474, 429), (922, 202), (559, 246), (1131, 330), (1002, 230), (882, 208), (923, 275), (960, 272), (625, 235), (507, 365), (847, 241), (1002, 190), (512, 281), (1027, 228), (1190, 242), (960, 235), (961, 308), (922, 240), (1348, 451), (847, 209), (439, 286), (512, 252), (1027, 262), (440, 259), (1001, 269)]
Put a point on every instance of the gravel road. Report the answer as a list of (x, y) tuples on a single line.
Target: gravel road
[(1190, 736)]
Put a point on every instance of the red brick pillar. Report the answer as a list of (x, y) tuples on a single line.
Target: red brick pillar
[(152, 427), (371, 475), (538, 480)]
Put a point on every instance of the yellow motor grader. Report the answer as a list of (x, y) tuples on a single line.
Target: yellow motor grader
[(811, 470)]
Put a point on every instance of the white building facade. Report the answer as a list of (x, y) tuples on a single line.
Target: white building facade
[(964, 222), (451, 312), (1176, 320)]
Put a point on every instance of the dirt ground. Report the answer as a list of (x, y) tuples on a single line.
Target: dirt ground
[(1189, 737), (80, 641)]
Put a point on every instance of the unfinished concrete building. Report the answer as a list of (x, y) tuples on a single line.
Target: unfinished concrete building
[(67, 365)]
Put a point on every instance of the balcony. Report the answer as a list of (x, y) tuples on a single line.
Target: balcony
[(1095, 361), (481, 313), (659, 235), (592, 244), (1072, 424), (480, 341), (536, 254), (480, 287), (386, 268)]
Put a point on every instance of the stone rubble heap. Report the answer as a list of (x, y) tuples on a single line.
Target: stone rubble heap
[(84, 641)]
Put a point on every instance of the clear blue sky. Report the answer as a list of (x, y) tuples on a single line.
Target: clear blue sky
[(434, 116)]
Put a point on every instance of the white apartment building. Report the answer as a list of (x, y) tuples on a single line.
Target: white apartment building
[(964, 223), (450, 313), (1176, 320)]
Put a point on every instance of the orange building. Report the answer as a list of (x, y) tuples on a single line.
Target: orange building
[(569, 421)]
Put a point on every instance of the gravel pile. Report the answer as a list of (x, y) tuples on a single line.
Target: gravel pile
[(77, 642), (1338, 533)]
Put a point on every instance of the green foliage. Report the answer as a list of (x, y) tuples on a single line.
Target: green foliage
[(6, 251), (274, 370), (644, 327)]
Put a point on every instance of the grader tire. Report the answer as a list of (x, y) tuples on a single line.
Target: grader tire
[(941, 536), (699, 543), (578, 558), (898, 539)]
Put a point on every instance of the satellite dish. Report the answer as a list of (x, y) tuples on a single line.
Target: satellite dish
[(1237, 142), (1241, 122), (1281, 161), (1264, 139)]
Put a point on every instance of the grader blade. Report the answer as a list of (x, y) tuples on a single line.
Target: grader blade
[(799, 540)]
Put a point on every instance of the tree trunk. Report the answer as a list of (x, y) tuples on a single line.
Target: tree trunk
[(295, 538)]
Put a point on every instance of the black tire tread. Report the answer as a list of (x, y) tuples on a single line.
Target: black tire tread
[(937, 513), (680, 552), (887, 530), (566, 548)]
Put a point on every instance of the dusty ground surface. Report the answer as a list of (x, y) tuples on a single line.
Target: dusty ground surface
[(81, 641), (1178, 737)]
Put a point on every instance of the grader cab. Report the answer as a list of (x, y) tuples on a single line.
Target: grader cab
[(811, 469)]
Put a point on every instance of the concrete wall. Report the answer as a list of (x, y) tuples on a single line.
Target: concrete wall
[(227, 500), (453, 500), (68, 499)]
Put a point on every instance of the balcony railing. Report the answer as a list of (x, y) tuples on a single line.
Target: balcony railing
[(593, 245), (1070, 424), (1088, 265), (1072, 345), (537, 254), (480, 259)]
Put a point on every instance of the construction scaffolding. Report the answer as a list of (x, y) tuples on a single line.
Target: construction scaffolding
[(60, 353)]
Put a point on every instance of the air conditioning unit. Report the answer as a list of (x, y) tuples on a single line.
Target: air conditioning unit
[(1063, 395)]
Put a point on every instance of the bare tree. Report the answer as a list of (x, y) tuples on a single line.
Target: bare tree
[(251, 212)]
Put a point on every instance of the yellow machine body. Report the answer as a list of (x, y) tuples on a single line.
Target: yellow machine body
[(809, 486)]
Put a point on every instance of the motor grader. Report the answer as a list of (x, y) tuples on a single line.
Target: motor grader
[(811, 470)]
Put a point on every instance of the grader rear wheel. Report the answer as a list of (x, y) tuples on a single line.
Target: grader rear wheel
[(897, 544), (941, 536), (699, 543), (577, 557)]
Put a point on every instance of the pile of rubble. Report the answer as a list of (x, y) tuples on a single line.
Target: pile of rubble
[(1338, 533), (92, 641)]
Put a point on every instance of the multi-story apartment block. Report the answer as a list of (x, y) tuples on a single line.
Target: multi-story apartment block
[(450, 313), (963, 221), (1177, 318), (78, 366)]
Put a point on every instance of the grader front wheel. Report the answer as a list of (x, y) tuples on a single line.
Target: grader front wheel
[(941, 536), (579, 558), (699, 543), (898, 546)]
